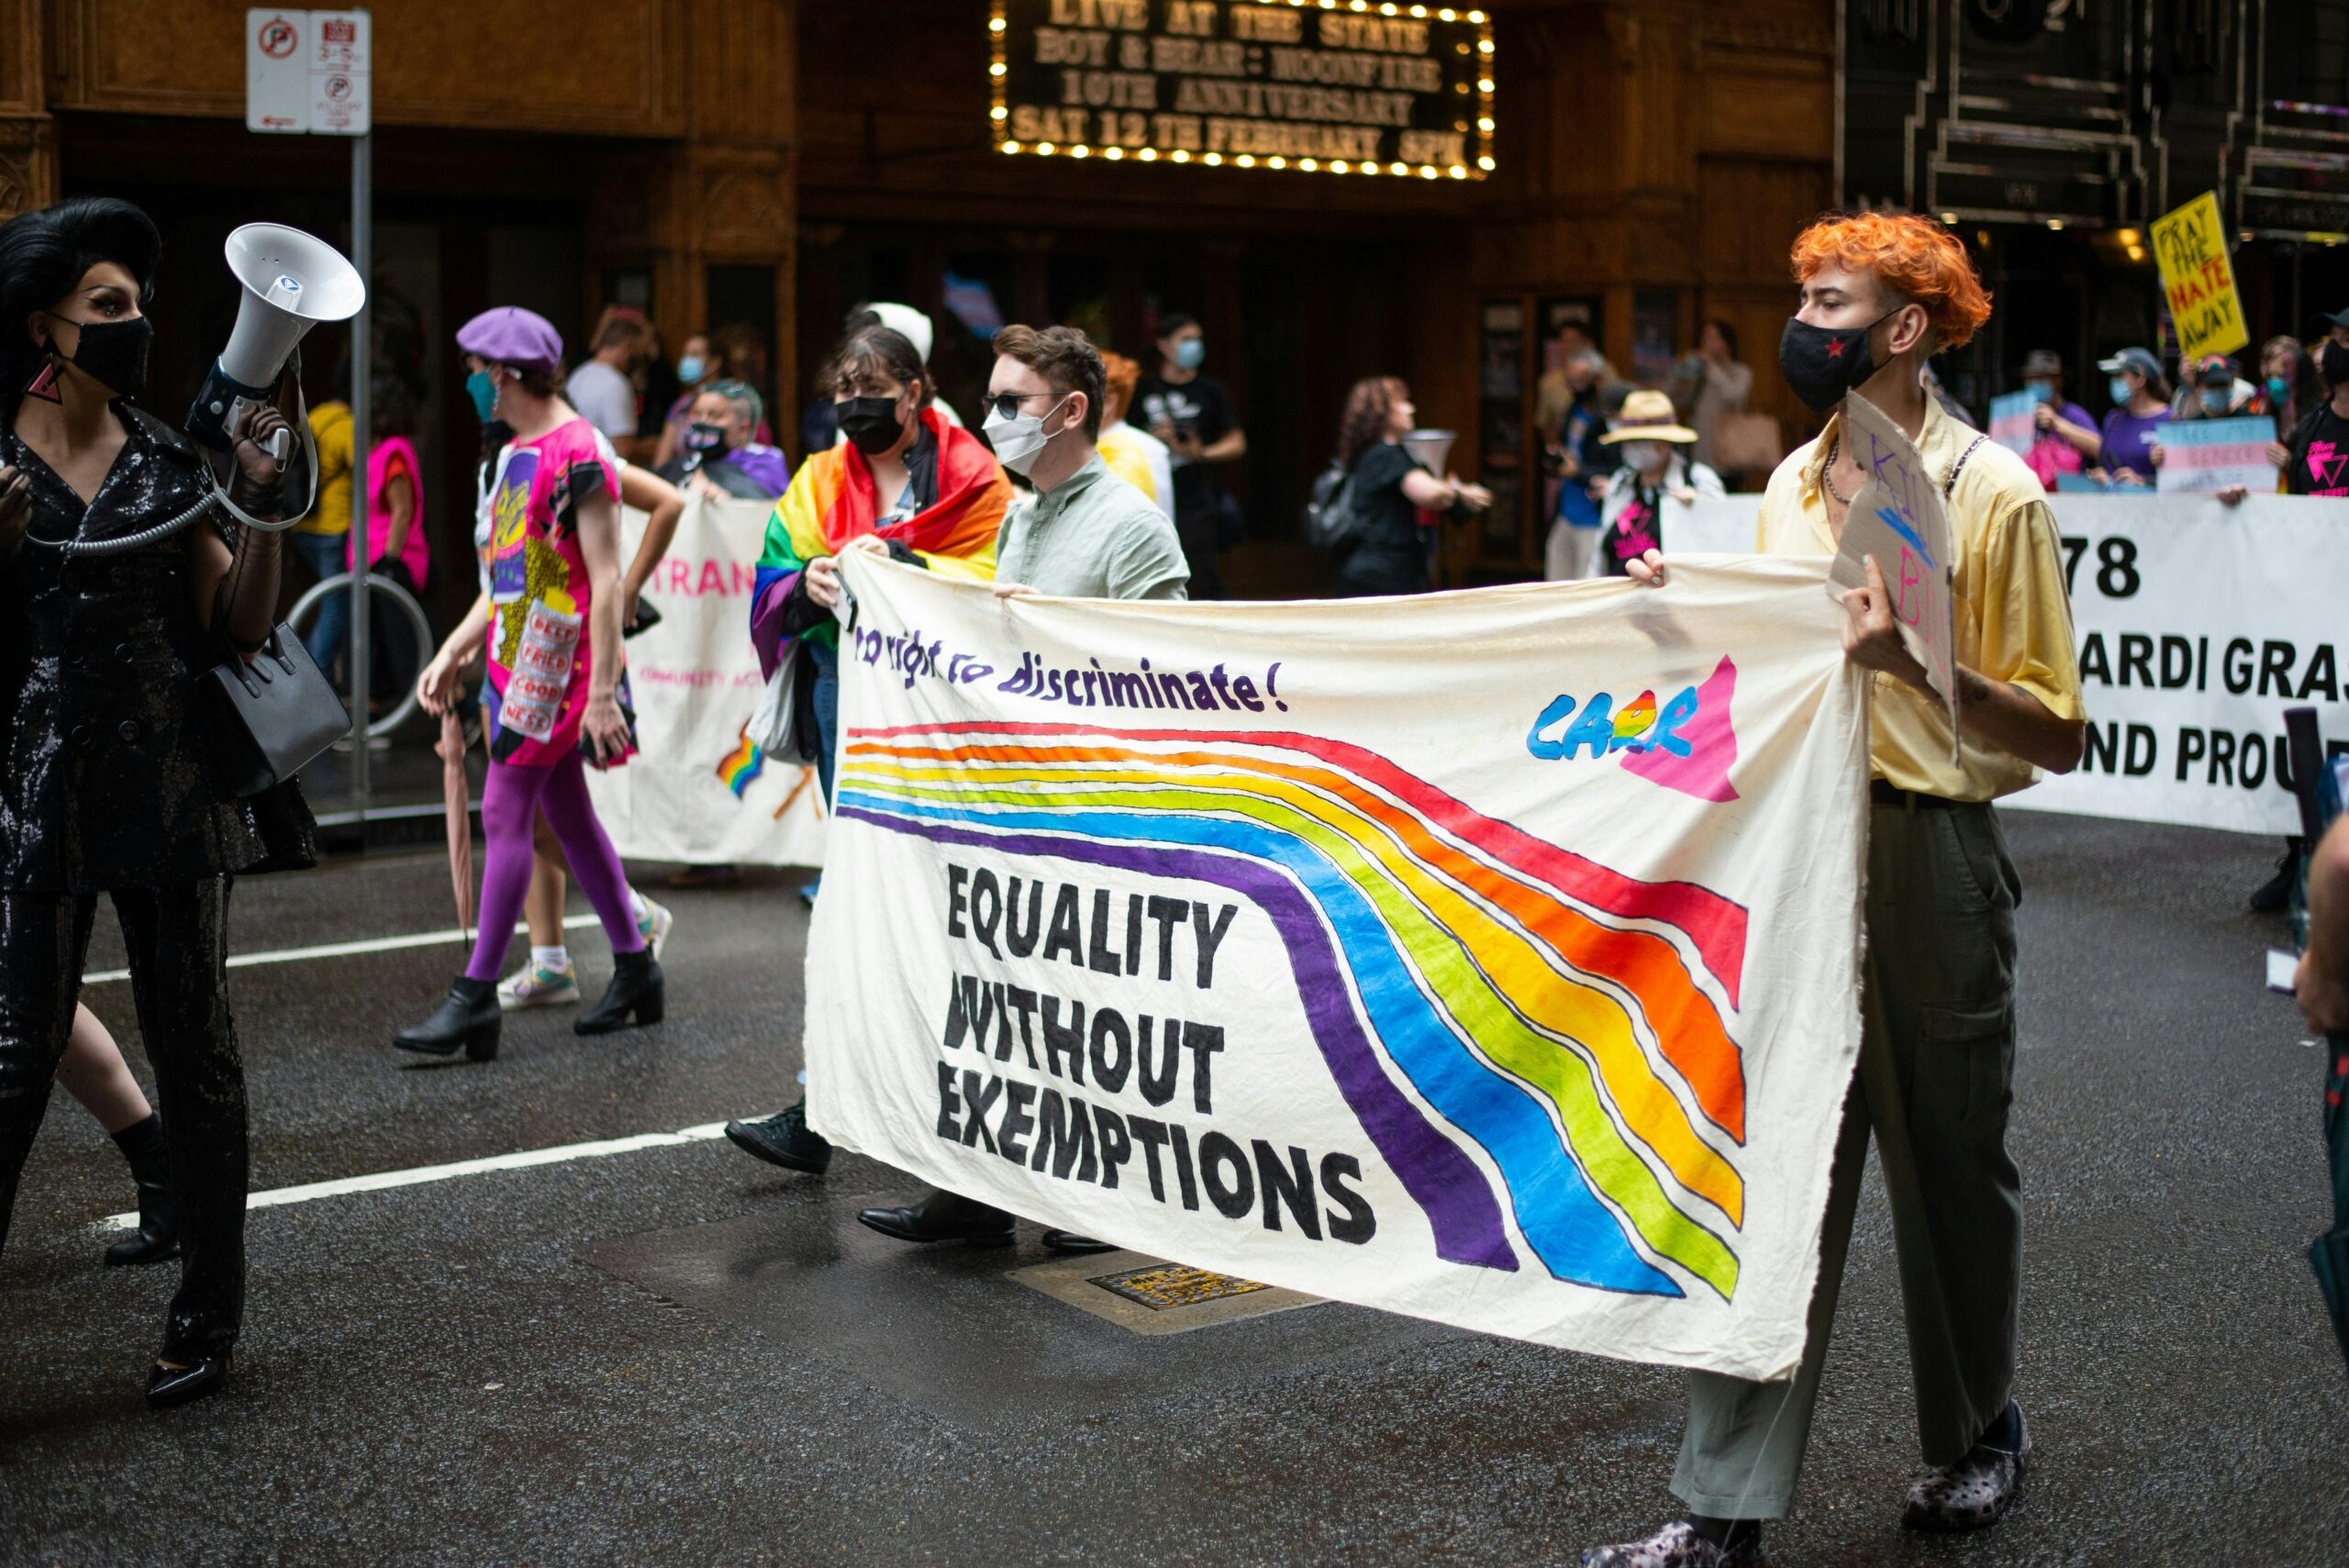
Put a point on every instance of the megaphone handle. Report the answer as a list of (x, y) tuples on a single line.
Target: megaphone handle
[(278, 442)]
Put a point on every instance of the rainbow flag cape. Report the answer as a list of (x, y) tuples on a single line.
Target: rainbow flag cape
[(832, 502)]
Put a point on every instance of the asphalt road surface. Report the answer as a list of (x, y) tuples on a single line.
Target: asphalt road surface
[(676, 1355)]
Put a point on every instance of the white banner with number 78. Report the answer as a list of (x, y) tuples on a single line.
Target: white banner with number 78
[(2199, 624)]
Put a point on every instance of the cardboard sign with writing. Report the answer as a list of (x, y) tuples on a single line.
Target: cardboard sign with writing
[(1897, 517), (2190, 245)]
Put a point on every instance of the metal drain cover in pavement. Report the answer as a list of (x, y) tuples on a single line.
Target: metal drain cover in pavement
[(1151, 1295), (1174, 1284)]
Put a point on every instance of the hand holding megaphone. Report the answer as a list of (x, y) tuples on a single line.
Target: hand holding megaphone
[(263, 438), (293, 281)]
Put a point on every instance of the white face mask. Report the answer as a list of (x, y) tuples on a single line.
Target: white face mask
[(1019, 441), (1648, 457)]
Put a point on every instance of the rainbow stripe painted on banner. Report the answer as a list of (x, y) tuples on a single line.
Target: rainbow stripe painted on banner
[(1563, 1021), (739, 768)]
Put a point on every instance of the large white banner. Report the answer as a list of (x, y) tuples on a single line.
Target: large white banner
[(2199, 625), (1487, 957), (697, 791)]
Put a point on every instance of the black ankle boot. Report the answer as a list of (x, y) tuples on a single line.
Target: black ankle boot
[(469, 1017), (158, 1238), (636, 988)]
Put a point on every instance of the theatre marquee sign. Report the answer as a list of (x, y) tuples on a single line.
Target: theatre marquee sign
[(1325, 86)]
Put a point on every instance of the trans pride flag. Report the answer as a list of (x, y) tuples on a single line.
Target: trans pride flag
[(1487, 957)]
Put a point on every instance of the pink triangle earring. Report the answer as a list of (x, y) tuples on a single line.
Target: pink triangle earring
[(44, 386)]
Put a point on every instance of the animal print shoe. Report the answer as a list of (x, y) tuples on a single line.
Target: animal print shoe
[(1976, 1492), (1676, 1545)]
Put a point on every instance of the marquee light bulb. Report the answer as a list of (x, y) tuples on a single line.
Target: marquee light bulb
[(1011, 146), (1149, 155)]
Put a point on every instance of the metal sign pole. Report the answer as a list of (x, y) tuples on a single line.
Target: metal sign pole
[(362, 240)]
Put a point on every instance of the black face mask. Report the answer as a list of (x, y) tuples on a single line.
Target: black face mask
[(1823, 363), (112, 353), (703, 437), (871, 423), (2332, 364)]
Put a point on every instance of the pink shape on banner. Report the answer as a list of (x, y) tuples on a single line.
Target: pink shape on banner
[(1711, 741)]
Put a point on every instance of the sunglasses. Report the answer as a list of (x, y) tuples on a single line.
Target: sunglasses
[(1005, 405)]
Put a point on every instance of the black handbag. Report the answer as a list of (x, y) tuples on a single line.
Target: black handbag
[(270, 716)]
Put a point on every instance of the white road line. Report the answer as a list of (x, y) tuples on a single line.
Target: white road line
[(344, 949), (421, 1174)]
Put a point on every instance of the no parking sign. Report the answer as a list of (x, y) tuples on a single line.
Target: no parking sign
[(308, 71)]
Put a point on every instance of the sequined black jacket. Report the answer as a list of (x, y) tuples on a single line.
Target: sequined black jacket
[(109, 780)]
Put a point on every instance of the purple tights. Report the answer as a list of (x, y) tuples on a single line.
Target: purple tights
[(509, 802)]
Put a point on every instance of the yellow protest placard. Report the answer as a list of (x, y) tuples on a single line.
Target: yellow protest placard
[(2190, 245)]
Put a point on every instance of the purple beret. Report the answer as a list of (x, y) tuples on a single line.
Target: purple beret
[(510, 335)]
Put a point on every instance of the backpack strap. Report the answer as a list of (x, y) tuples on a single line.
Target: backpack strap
[(1949, 485)]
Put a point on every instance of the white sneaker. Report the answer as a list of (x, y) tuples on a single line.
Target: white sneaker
[(531, 986), (654, 926)]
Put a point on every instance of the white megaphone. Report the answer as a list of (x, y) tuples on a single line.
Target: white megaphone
[(293, 281), (1430, 449)]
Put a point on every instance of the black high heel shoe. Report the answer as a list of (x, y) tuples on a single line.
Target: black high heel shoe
[(159, 1236), (637, 988), (170, 1385), (468, 1018)]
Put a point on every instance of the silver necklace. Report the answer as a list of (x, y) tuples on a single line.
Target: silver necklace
[(1827, 475)]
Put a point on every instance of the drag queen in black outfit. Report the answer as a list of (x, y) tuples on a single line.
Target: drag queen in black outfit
[(105, 784)]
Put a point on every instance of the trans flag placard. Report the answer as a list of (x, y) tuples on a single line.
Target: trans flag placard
[(1487, 957), (2209, 455)]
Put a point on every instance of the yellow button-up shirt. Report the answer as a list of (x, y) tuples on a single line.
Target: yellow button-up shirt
[(2014, 617)]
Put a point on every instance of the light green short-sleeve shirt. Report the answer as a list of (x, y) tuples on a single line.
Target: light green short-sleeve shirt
[(1092, 536)]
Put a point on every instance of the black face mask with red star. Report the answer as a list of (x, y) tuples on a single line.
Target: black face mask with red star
[(1823, 363)]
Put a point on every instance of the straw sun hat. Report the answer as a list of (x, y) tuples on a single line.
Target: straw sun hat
[(1647, 417)]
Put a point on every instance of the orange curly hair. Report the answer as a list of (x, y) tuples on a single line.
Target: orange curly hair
[(1914, 256)]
